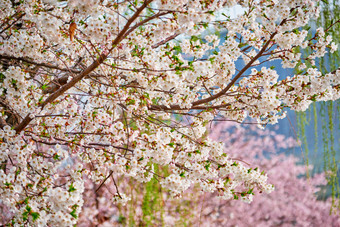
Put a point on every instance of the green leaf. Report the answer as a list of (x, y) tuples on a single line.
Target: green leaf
[(227, 180), (313, 98), (212, 60), (73, 213), (207, 166), (44, 87), (234, 164), (250, 191), (25, 215), (28, 208), (35, 215), (177, 48), (131, 102), (242, 45), (2, 77), (71, 188), (56, 157), (194, 38), (296, 31)]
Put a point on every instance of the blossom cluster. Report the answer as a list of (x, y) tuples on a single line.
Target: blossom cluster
[(295, 201)]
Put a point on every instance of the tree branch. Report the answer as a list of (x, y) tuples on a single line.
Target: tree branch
[(122, 34), (219, 94), (38, 64), (165, 40), (20, 15)]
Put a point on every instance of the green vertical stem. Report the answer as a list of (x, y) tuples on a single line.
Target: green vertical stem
[(152, 202), (315, 128), (324, 137), (302, 122)]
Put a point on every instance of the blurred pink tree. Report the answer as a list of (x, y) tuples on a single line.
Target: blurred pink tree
[(293, 203)]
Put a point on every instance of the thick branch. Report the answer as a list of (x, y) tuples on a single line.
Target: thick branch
[(38, 64), (165, 40), (177, 107), (3, 123), (122, 34), (222, 92)]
